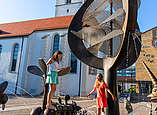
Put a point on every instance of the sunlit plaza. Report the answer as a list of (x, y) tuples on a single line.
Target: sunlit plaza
[(90, 53)]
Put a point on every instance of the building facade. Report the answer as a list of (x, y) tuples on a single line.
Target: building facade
[(20, 51), (126, 78), (22, 43), (148, 54)]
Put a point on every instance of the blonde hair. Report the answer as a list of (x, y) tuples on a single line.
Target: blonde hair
[(55, 56), (101, 81)]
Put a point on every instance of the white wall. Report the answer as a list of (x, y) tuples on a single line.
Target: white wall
[(62, 2), (33, 83), (76, 1), (67, 9), (22, 67), (37, 49), (5, 61), (88, 81)]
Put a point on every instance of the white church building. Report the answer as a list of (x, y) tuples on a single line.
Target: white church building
[(22, 43)]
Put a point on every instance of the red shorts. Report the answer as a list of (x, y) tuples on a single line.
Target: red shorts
[(101, 102)]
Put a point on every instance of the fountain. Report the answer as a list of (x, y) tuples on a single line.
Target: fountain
[(61, 108), (101, 36), (3, 96), (153, 95)]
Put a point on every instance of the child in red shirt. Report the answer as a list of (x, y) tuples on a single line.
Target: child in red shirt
[(101, 86)]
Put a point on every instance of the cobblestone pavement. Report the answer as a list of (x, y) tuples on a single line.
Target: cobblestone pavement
[(24, 105)]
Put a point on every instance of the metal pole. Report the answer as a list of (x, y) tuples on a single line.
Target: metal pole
[(111, 28), (79, 92), (110, 77), (45, 96), (150, 108), (46, 90)]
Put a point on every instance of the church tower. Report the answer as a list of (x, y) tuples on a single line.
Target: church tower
[(67, 7)]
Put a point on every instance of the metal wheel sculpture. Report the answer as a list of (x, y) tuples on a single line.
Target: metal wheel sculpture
[(101, 36)]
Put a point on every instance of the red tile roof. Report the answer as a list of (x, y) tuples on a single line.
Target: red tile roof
[(27, 27)]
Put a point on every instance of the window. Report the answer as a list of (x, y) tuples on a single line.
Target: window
[(130, 72), (14, 57), (68, 1), (155, 33), (56, 43), (0, 50), (92, 71), (73, 63), (155, 43)]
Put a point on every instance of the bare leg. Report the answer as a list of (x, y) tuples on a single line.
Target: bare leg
[(103, 112), (99, 111), (50, 95)]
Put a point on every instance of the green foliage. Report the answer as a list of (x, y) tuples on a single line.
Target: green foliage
[(132, 89)]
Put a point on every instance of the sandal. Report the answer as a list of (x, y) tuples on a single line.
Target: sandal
[(50, 107)]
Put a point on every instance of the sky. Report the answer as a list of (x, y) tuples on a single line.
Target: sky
[(21, 10), (147, 15)]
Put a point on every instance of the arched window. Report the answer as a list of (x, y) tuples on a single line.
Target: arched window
[(0, 50), (14, 57), (92, 71), (155, 33), (68, 1), (73, 63), (56, 43)]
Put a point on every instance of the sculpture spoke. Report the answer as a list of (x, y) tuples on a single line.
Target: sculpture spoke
[(98, 9), (78, 34), (95, 11), (112, 34), (117, 23), (116, 14), (95, 48), (90, 35)]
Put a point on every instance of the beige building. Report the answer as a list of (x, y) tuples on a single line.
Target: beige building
[(149, 56)]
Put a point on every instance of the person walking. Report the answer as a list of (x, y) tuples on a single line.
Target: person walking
[(101, 86)]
